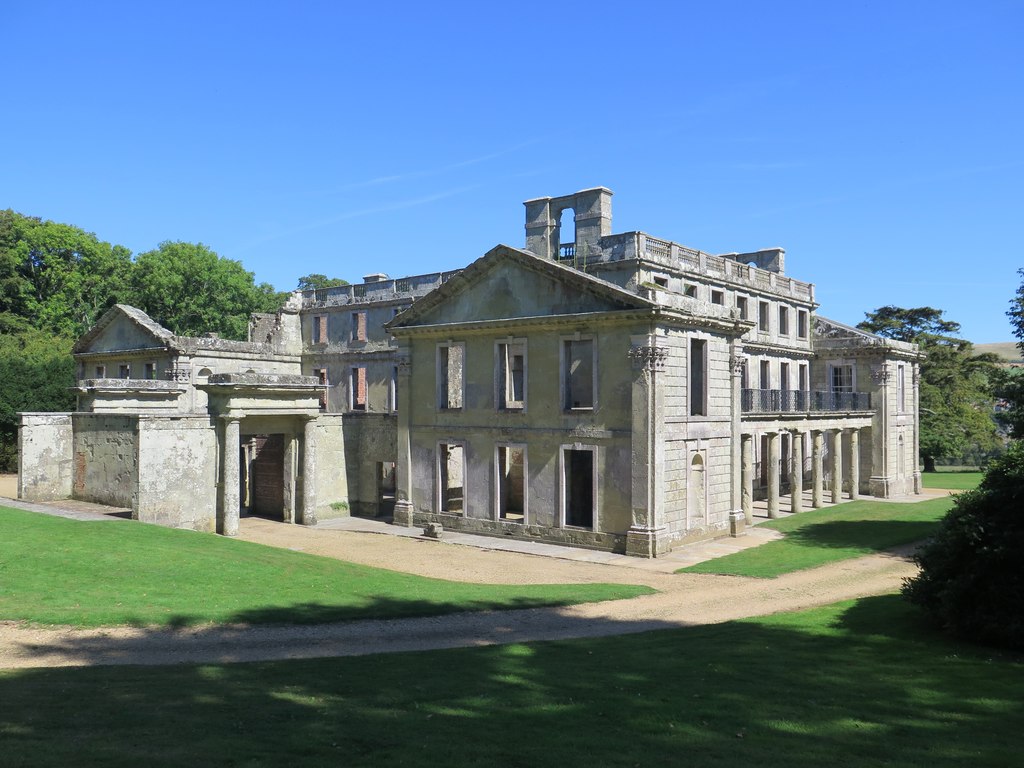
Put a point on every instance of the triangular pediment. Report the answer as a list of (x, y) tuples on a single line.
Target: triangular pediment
[(508, 283), (123, 327)]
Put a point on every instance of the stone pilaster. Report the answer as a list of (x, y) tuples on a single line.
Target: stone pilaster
[(646, 536), (403, 514)]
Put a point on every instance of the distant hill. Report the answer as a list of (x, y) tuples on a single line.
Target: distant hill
[(1008, 351)]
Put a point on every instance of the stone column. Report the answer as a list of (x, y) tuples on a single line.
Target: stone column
[(291, 495), (403, 514), (817, 469), (227, 524), (308, 515), (747, 493), (837, 466), (854, 464), (773, 474), (916, 379), (796, 473)]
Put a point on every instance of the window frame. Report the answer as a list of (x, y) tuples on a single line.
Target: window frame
[(319, 329), (502, 374), (498, 447), (442, 388), (355, 373), (697, 387), (439, 501), (564, 371), (563, 486)]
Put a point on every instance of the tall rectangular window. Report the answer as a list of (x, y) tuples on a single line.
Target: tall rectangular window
[(511, 376), (393, 390), (766, 375), (124, 371), (717, 297), (101, 371), (901, 392), (450, 366), (358, 326), (578, 495), (763, 308), (698, 377), (841, 378), (784, 321), (802, 374), (578, 367), (319, 329), (149, 371), (510, 469), (784, 376), (451, 473), (357, 388), (743, 306), (801, 323)]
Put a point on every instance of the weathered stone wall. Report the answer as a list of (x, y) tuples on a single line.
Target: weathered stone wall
[(45, 470), (105, 456), (177, 471), (331, 467)]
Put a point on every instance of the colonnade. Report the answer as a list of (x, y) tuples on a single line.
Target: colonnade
[(850, 469)]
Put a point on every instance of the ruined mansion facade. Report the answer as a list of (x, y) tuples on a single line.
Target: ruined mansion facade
[(613, 391)]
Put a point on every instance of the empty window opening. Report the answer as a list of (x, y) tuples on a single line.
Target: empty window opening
[(784, 376), (661, 281), (385, 474), (579, 487), (690, 290), (358, 326), (784, 321), (743, 306), (762, 316), (698, 377), (124, 371), (511, 483), (802, 373), (358, 390), (319, 329), (451, 476), (512, 376), (718, 297), (149, 371), (579, 373), (766, 375), (101, 371), (321, 375), (900, 388), (393, 391), (450, 361), (801, 323), (567, 233)]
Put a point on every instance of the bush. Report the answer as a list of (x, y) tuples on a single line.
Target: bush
[(971, 579)]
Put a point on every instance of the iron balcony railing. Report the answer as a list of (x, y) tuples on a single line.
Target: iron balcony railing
[(801, 401)]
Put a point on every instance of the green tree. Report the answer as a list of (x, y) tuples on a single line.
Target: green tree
[(37, 372), (318, 282), (971, 581), (189, 289), (1010, 381), (57, 276), (956, 397)]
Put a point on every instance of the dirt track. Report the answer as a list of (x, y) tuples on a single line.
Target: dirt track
[(682, 600)]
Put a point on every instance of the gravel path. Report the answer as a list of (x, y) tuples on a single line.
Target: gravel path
[(683, 600)]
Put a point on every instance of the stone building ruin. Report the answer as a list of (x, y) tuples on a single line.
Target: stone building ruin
[(612, 391)]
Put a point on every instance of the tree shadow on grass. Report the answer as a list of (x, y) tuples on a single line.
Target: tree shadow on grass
[(795, 690), (869, 535)]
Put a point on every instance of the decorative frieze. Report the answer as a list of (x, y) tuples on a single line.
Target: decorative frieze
[(649, 358)]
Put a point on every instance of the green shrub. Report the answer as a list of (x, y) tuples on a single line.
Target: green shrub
[(971, 578)]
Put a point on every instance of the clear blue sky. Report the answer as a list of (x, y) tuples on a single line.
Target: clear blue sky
[(880, 143)]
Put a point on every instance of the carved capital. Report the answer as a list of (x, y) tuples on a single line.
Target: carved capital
[(737, 363), (880, 374), (648, 358), (404, 364)]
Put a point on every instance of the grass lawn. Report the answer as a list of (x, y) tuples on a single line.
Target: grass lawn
[(856, 684), (952, 479), (58, 571), (822, 536)]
